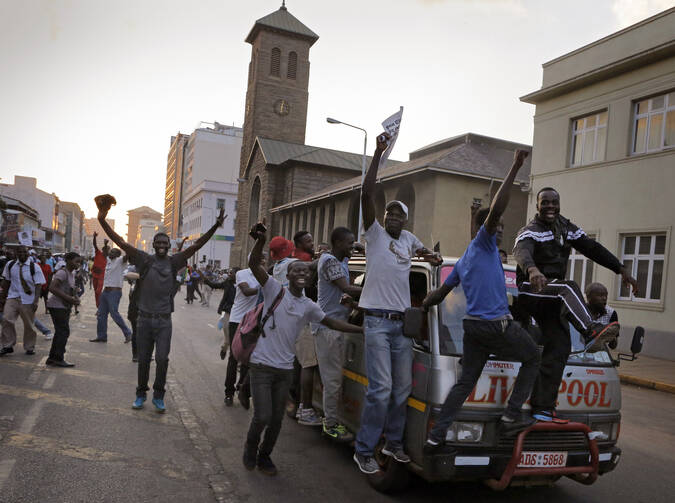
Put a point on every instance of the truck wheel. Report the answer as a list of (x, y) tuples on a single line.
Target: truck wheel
[(393, 476)]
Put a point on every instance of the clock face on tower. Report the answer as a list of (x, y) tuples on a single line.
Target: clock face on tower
[(282, 107)]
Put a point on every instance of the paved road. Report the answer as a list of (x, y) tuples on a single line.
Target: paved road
[(70, 435)]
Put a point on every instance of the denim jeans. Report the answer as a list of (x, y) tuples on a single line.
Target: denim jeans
[(109, 303), (60, 318), (42, 327), (389, 358), (269, 388), (329, 351), (153, 332), (506, 339)]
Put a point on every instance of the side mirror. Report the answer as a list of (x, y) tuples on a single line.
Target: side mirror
[(635, 346)]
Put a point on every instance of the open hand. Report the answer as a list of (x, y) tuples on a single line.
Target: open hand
[(629, 281), (220, 219), (537, 280)]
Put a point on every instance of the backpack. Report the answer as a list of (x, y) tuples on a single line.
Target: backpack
[(11, 264), (251, 328)]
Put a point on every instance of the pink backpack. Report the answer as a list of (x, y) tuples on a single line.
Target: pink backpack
[(251, 328)]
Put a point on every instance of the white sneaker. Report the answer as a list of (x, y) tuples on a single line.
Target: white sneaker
[(49, 336)]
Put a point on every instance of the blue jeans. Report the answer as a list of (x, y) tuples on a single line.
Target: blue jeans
[(109, 303), (389, 358), (41, 327), (153, 333)]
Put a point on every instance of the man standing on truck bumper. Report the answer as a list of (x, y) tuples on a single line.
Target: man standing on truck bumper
[(488, 325), (385, 297), (542, 249)]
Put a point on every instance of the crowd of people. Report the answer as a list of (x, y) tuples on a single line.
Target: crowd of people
[(304, 298)]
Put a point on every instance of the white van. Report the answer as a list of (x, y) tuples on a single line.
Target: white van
[(589, 395)]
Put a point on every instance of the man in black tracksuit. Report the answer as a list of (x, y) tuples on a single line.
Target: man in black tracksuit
[(542, 249)]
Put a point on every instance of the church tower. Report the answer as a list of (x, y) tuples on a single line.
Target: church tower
[(278, 79), (276, 108)]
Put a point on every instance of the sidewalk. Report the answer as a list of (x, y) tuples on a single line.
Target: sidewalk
[(648, 372)]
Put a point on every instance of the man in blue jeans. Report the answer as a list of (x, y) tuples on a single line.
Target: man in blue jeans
[(385, 297), (109, 301), (489, 328)]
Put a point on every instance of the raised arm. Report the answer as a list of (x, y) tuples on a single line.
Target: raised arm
[(95, 245), (501, 200), (116, 238), (192, 249), (601, 255), (182, 243), (255, 259), (368, 188)]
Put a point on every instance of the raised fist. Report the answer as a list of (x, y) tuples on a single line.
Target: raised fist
[(104, 202)]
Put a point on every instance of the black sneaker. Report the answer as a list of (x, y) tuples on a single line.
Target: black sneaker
[(366, 464), (249, 457), (6, 351), (438, 448), (228, 400), (265, 465), (511, 426)]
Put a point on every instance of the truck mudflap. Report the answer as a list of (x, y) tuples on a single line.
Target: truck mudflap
[(587, 474)]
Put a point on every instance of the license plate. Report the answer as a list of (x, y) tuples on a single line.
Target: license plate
[(530, 459)]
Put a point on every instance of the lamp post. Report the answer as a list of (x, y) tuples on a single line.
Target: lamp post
[(330, 120)]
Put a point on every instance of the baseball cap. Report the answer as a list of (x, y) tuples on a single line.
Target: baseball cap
[(280, 248), (395, 202)]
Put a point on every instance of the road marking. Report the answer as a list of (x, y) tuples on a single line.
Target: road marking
[(6, 466), (53, 446), (49, 382), (74, 372), (30, 419), (212, 326), (37, 371), (65, 401)]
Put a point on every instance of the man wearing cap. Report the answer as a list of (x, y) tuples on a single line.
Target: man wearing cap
[(280, 251), (385, 297)]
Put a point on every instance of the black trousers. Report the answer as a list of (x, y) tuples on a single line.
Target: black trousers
[(557, 305), (269, 387), (505, 339), (60, 319), (232, 363), (153, 333)]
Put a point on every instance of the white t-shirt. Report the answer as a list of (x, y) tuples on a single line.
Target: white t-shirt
[(277, 348), (281, 270), (388, 269), (114, 272), (16, 290), (242, 303)]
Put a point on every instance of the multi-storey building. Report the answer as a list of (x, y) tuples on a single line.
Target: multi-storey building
[(74, 226), (604, 137), (174, 184), (135, 217)]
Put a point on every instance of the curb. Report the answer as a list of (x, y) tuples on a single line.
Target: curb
[(647, 383)]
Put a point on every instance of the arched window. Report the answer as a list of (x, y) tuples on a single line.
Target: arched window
[(406, 194), (275, 65), (254, 204), (292, 65)]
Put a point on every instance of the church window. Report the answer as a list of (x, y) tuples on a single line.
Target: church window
[(276, 62), (292, 65)]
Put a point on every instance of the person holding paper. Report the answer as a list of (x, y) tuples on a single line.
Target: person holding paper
[(385, 297)]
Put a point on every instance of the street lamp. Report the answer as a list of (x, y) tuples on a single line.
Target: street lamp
[(330, 120)]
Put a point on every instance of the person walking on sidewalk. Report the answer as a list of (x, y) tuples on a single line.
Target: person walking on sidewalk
[(541, 251), (61, 299), (333, 279), (22, 279), (385, 297), (271, 362), (489, 328), (109, 300), (155, 301), (98, 267)]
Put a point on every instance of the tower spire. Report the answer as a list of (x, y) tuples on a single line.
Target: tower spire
[(283, 5)]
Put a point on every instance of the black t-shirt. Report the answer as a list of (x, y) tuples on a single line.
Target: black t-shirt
[(156, 295)]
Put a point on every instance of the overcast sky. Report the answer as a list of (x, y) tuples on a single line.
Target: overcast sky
[(91, 91)]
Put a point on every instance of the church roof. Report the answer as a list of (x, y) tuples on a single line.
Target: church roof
[(278, 152), (282, 20), (469, 154)]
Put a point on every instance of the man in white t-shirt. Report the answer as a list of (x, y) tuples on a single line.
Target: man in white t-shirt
[(109, 301), (271, 363), (22, 279), (385, 297), (245, 299)]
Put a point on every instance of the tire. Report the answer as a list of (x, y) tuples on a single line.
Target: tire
[(393, 477)]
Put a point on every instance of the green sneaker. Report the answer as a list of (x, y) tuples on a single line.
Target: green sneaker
[(338, 432)]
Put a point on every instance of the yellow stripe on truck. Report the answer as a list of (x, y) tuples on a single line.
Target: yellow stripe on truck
[(412, 402)]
